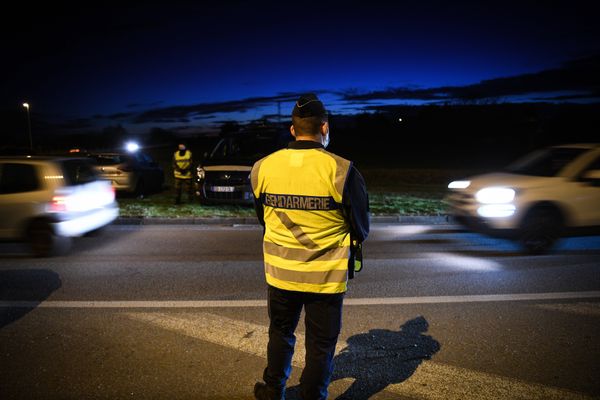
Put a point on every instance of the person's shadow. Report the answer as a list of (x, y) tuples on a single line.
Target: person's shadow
[(381, 357), (28, 286)]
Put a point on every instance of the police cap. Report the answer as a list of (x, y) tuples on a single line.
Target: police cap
[(309, 105)]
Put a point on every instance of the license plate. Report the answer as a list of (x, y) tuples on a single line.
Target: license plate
[(222, 188)]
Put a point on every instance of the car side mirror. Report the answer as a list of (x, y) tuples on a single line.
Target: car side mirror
[(592, 177)]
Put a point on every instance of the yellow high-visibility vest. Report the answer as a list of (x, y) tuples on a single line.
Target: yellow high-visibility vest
[(307, 240), (183, 162)]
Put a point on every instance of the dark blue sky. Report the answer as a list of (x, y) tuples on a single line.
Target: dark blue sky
[(189, 66)]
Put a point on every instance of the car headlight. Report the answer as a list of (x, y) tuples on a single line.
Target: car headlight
[(200, 173), (495, 195), (459, 184), (496, 210)]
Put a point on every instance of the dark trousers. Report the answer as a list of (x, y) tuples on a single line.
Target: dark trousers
[(323, 322), (179, 187)]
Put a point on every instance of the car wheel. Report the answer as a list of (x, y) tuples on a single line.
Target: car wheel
[(45, 242), (540, 230)]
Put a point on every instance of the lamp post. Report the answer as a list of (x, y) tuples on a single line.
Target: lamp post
[(26, 105)]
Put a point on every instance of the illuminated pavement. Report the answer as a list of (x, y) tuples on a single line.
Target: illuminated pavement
[(178, 312)]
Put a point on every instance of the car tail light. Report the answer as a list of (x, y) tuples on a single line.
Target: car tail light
[(58, 204)]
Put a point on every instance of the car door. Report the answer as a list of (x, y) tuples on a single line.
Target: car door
[(20, 196), (585, 197)]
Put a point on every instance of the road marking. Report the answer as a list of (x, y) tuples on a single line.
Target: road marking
[(576, 308), (240, 335), (367, 301), (472, 298), (436, 381), (431, 380)]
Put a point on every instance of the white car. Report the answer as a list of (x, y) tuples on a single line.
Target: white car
[(550, 193), (47, 201)]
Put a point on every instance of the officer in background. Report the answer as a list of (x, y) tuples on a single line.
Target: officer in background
[(313, 205), (182, 171)]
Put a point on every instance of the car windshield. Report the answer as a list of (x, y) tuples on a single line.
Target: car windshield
[(546, 162), (78, 172), (244, 148)]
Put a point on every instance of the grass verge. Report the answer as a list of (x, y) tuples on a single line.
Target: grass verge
[(391, 192), (162, 205)]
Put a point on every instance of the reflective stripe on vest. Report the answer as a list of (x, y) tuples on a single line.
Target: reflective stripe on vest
[(307, 241), (183, 162)]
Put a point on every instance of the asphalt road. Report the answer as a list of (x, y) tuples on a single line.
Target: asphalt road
[(178, 312)]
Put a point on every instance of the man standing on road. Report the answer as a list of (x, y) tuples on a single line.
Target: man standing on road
[(182, 171), (315, 210)]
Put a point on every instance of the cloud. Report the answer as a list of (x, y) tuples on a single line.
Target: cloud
[(78, 124), (206, 110), (120, 116), (571, 96), (577, 76), (149, 104)]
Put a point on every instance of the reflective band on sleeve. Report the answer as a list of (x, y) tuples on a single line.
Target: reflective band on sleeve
[(306, 255), (315, 277)]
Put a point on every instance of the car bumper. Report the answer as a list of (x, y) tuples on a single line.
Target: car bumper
[(237, 194), (82, 224), (121, 183), (483, 225)]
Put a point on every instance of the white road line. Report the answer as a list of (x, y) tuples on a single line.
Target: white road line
[(570, 308), (436, 381), (431, 380), (367, 301)]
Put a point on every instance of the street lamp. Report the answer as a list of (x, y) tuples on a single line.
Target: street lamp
[(26, 105)]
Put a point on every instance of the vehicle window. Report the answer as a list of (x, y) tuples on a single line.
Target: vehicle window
[(77, 172), (18, 178), (111, 159), (547, 162), (244, 148), (594, 165)]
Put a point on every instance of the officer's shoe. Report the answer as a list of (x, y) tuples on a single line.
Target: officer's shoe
[(264, 392)]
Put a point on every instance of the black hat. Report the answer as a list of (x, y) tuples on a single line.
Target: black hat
[(309, 105)]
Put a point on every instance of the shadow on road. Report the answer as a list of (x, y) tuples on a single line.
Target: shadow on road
[(28, 285), (381, 357)]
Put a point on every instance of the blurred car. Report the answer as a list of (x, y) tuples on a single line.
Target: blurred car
[(135, 173), (550, 193), (224, 174), (47, 201)]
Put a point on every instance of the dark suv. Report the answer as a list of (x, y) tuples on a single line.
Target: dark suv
[(224, 174)]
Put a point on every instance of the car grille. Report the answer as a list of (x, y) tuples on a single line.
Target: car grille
[(238, 195), (238, 180), (227, 178)]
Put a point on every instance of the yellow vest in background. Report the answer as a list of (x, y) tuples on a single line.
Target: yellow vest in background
[(307, 240), (183, 162)]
